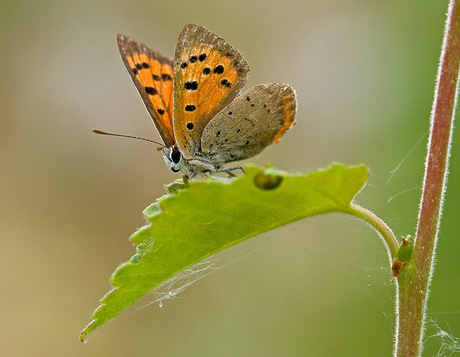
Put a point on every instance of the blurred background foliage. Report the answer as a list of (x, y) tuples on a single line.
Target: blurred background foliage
[(364, 74)]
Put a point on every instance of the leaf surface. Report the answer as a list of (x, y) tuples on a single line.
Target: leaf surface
[(208, 217)]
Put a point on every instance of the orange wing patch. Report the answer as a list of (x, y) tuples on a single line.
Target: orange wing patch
[(209, 78), (289, 117), (157, 80)]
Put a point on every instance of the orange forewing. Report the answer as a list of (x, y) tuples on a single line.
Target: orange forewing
[(152, 74), (209, 73)]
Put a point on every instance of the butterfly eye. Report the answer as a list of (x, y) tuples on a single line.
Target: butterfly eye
[(175, 155)]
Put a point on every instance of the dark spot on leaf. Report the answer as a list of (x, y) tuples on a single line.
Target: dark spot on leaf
[(267, 182)]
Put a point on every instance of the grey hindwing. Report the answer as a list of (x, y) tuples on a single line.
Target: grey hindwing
[(250, 123)]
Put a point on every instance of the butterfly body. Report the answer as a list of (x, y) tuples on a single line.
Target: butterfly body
[(194, 102)]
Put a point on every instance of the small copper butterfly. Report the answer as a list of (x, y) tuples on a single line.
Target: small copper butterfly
[(194, 102)]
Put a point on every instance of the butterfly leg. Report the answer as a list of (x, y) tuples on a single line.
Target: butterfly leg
[(230, 169)]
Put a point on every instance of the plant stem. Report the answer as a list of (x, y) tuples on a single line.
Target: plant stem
[(379, 226), (414, 283)]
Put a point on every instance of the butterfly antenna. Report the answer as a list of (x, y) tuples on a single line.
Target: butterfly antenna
[(100, 132)]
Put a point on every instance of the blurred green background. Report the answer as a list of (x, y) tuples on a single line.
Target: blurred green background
[(364, 74)]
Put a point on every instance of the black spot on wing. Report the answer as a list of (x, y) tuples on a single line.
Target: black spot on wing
[(219, 69), (166, 77), (191, 85), (226, 83), (249, 120), (150, 90)]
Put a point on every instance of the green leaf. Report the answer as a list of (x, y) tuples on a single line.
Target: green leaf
[(207, 217)]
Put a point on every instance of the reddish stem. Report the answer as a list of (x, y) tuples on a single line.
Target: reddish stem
[(413, 285)]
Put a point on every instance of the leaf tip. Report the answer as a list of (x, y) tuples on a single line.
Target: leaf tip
[(86, 331)]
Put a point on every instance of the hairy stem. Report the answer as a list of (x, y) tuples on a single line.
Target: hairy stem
[(379, 226), (414, 283)]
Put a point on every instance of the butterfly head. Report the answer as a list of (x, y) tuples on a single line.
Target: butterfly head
[(176, 161)]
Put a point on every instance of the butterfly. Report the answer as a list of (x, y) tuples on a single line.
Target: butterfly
[(196, 105)]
